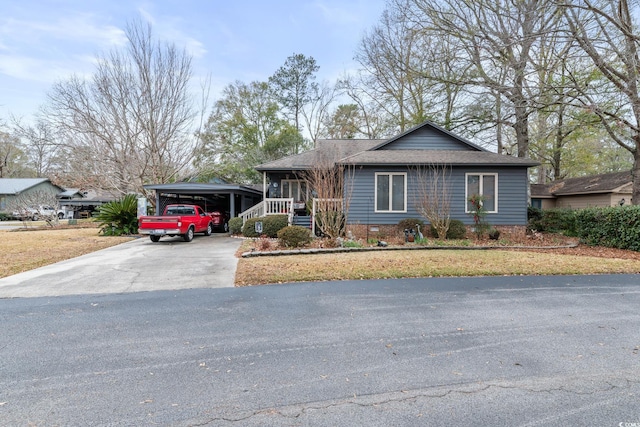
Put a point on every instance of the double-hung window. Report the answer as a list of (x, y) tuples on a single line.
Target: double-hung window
[(391, 192), (485, 185)]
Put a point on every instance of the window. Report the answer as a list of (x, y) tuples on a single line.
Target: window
[(484, 184), (391, 192), (297, 190)]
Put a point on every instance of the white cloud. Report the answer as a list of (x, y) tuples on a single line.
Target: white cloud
[(37, 70), (79, 28)]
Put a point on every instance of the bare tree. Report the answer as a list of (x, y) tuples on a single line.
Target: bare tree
[(13, 161), (376, 123), (316, 111), (395, 58), (494, 37), (607, 31), (433, 196), (330, 184), (34, 205), (40, 141), (130, 124)]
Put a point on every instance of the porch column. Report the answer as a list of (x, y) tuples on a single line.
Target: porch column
[(232, 204), (264, 185)]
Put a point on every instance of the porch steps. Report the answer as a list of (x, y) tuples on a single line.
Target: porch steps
[(302, 221)]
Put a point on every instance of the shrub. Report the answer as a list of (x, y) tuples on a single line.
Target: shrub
[(294, 236), (479, 214), (4, 216), (263, 243), (119, 217), (556, 220), (534, 214), (249, 227), (270, 225), (274, 223), (494, 234), (457, 230), (235, 225), (335, 224), (615, 227), (409, 223)]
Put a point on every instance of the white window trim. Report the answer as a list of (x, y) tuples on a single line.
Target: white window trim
[(303, 196), (375, 195), (481, 175)]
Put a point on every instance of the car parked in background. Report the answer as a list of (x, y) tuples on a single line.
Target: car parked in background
[(220, 220), (38, 213)]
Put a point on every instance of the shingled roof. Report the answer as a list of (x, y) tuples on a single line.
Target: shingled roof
[(604, 183), (445, 157), (334, 149), (369, 152)]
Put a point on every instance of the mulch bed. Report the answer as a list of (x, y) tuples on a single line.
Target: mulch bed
[(539, 242)]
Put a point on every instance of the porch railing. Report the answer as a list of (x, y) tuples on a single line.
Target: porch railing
[(285, 207), (269, 207), (253, 212)]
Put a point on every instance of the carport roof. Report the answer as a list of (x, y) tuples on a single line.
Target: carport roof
[(199, 188)]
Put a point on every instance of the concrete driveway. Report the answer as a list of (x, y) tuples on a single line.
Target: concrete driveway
[(136, 266)]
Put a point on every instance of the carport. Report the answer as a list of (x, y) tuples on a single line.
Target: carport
[(225, 197)]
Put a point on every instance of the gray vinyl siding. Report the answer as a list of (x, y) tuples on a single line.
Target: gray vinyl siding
[(426, 139), (512, 196)]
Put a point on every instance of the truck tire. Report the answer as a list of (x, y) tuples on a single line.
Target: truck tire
[(60, 215), (35, 217), (209, 230), (155, 239), (188, 236)]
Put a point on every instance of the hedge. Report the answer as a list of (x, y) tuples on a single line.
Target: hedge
[(271, 224), (614, 227), (556, 220), (235, 225)]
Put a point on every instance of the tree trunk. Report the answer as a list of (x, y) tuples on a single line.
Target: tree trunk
[(635, 173)]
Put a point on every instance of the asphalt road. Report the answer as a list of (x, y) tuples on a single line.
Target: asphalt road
[(505, 351), (136, 266)]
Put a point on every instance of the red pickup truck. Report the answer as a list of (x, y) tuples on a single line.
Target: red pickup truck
[(177, 220)]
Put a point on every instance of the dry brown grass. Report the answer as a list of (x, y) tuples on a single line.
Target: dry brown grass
[(25, 250), (423, 263)]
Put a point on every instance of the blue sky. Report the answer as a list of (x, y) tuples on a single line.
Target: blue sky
[(48, 40)]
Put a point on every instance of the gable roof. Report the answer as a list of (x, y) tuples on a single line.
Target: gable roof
[(435, 127), (14, 186), (372, 152), (604, 183)]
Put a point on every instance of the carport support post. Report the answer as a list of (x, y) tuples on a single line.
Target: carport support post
[(232, 204)]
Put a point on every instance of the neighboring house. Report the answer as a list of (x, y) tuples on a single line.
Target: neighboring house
[(12, 190), (382, 178), (610, 189), (83, 203)]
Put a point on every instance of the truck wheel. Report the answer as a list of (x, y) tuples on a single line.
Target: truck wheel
[(188, 236), (154, 239), (35, 217), (60, 215), (209, 230)]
